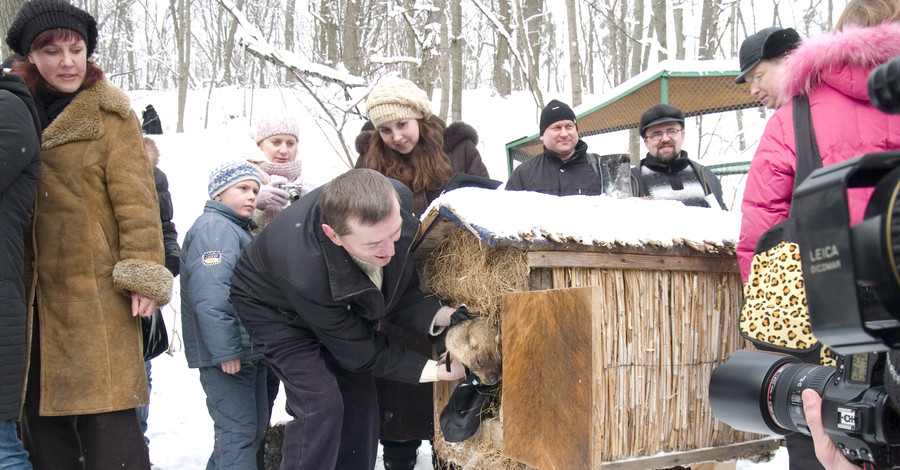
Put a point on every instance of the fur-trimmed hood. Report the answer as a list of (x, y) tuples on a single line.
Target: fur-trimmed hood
[(458, 132), (843, 60), (83, 117), (454, 134), (152, 151)]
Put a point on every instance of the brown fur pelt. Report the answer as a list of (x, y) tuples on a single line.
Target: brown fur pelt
[(476, 344)]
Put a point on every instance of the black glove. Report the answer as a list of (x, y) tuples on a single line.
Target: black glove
[(461, 314)]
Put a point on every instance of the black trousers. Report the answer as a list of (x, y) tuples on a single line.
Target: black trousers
[(337, 410), (100, 441)]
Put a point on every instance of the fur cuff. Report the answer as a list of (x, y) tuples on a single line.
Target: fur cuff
[(145, 278)]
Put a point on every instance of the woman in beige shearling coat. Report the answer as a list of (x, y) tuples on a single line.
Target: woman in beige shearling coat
[(95, 259)]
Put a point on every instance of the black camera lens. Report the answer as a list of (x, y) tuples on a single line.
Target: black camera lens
[(761, 392)]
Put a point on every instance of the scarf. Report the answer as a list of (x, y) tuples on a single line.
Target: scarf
[(50, 104)]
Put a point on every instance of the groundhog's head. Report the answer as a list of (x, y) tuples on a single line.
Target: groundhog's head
[(476, 343)]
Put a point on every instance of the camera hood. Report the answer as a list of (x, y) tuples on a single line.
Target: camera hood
[(851, 273)]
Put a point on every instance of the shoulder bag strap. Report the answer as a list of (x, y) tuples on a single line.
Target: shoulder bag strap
[(808, 158)]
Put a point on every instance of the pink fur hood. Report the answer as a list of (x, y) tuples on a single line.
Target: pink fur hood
[(841, 59)]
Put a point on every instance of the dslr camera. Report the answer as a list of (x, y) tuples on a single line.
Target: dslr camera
[(852, 285), (293, 191)]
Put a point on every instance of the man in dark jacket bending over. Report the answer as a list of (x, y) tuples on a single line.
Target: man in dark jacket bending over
[(310, 289)]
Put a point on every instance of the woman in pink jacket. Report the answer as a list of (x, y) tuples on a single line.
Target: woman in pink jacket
[(832, 70)]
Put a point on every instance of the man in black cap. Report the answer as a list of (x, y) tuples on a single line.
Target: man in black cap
[(563, 169), (762, 62), (666, 172)]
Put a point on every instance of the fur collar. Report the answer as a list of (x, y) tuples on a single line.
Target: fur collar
[(362, 141), (456, 133), (841, 59), (83, 117)]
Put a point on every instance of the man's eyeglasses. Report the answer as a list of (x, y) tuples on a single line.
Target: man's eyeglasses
[(669, 132)]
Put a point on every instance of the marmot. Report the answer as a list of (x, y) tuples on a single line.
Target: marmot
[(476, 344)]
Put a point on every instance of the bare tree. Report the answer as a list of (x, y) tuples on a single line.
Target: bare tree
[(574, 57), (431, 51), (289, 11), (501, 78), (351, 54), (445, 61), (8, 10), (708, 39), (456, 60), (181, 15), (678, 15), (658, 24)]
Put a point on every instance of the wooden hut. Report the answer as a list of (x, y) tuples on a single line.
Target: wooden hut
[(613, 313)]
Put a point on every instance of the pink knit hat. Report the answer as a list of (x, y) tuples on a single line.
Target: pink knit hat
[(275, 124)]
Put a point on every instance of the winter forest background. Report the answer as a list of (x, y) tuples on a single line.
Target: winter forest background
[(332, 51), (212, 67)]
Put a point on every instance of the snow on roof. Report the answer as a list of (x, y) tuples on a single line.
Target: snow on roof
[(524, 216)]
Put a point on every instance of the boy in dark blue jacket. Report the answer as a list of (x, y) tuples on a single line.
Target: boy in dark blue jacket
[(232, 373)]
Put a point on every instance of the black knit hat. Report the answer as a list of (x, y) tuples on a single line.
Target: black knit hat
[(37, 16), (658, 114), (766, 44), (553, 112)]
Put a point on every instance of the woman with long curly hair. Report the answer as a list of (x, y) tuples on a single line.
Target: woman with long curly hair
[(409, 144), (406, 142)]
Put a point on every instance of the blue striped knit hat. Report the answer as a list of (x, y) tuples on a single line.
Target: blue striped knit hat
[(228, 174)]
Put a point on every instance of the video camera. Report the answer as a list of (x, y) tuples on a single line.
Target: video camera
[(852, 284)]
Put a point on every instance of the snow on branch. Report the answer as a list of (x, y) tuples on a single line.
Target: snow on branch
[(256, 44), (379, 59)]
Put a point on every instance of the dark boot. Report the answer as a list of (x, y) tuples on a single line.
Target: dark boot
[(400, 455)]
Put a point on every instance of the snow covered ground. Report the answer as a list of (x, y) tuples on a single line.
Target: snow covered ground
[(180, 430)]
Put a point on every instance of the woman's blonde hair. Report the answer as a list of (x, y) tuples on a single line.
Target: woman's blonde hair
[(866, 13)]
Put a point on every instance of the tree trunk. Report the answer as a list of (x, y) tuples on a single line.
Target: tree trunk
[(182, 20), (678, 15), (228, 53), (659, 23), (444, 60), (8, 10), (574, 57), (636, 65), (501, 78), (708, 39), (634, 147), (289, 12), (456, 61), (129, 56), (431, 50), (351, 50)]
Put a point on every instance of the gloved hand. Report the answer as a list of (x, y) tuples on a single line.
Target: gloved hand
[(271, 195), (462, 314)]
